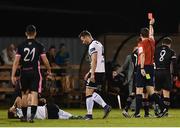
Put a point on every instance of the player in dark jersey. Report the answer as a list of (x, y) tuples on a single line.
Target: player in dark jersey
[(164, 57), (27, 56)]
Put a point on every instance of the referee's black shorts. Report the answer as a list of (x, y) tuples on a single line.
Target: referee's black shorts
[(30, 80), (142, 81), (99, 80), (163, 79)]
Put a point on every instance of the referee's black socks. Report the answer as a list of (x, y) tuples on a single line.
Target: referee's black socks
[(138, 103), (145, 105)]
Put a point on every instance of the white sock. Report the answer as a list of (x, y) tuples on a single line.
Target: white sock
[(89, 105), (64, 115), (98, 99)]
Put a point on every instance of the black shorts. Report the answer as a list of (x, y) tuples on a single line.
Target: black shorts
[(99, 80), (163, 79), (141, 80), (31, 80)]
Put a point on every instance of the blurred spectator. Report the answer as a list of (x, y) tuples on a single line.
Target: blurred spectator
[(51, 54), (62, 59), (62, 56), (8, 54), (1, 60)]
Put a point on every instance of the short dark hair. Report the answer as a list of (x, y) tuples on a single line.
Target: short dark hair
[(84, 33), (167, 40), (144, 32), (30, 28)]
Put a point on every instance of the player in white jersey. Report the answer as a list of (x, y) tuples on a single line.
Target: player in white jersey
[(44, 111), (96, 74)]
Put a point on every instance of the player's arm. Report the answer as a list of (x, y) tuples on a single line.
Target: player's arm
[(14, 68), (142, 59), (46, 62), (151, 29), (174, 63), (93, 65)]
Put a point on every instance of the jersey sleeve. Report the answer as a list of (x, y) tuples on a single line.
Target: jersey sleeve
[(140, 49), (92, 49), (19, 51), (42, 50)]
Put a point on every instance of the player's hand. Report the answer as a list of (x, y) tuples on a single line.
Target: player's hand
[(14, 80), (143, 72), (114, 74), (175, 78), (152, 21), (86, 76)]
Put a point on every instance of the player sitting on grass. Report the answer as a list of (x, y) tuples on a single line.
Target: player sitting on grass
[(45, 110)]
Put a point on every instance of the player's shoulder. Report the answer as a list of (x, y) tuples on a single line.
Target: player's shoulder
[(39, 44)]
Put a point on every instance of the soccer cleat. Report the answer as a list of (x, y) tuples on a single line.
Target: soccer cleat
[(126, 114), (163, 113), (148, 115), (76, 117), (107, 110), (136, 115), (23, 119), (88, 117), (31, 121)]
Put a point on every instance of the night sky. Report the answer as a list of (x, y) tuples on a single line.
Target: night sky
[(66, 18)]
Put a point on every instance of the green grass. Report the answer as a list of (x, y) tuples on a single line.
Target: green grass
[(115, 119)]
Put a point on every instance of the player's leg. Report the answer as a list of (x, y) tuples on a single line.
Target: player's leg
[(157, 99), (129, 101), (145, 104), (89, 103), (99, 78), (34, 88), (166, 95), (24, 105), (139, 92)]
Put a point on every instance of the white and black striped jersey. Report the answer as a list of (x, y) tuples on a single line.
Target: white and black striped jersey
[(97, 47)]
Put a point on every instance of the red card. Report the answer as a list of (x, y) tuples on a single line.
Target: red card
[(150, 16)]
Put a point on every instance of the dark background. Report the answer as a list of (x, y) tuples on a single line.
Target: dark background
[(67, 18)]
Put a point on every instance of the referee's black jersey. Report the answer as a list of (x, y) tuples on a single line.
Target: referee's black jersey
[(163, 57), (30, 52)]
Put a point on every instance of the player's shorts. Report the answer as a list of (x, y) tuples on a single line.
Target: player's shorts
[(143, 81), (30, 80), (99, 81), (163, 79)]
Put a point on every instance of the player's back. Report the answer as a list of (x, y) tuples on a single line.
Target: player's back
[(30, 51), (163, 56), (97, 47)]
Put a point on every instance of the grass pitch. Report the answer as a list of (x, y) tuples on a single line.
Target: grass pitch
[(115, 119)]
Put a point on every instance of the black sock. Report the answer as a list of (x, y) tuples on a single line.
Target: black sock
[(157, 99), (24, 111), (138, 103), (128, 102), (166, 102), (33, 111), (145, 105)]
